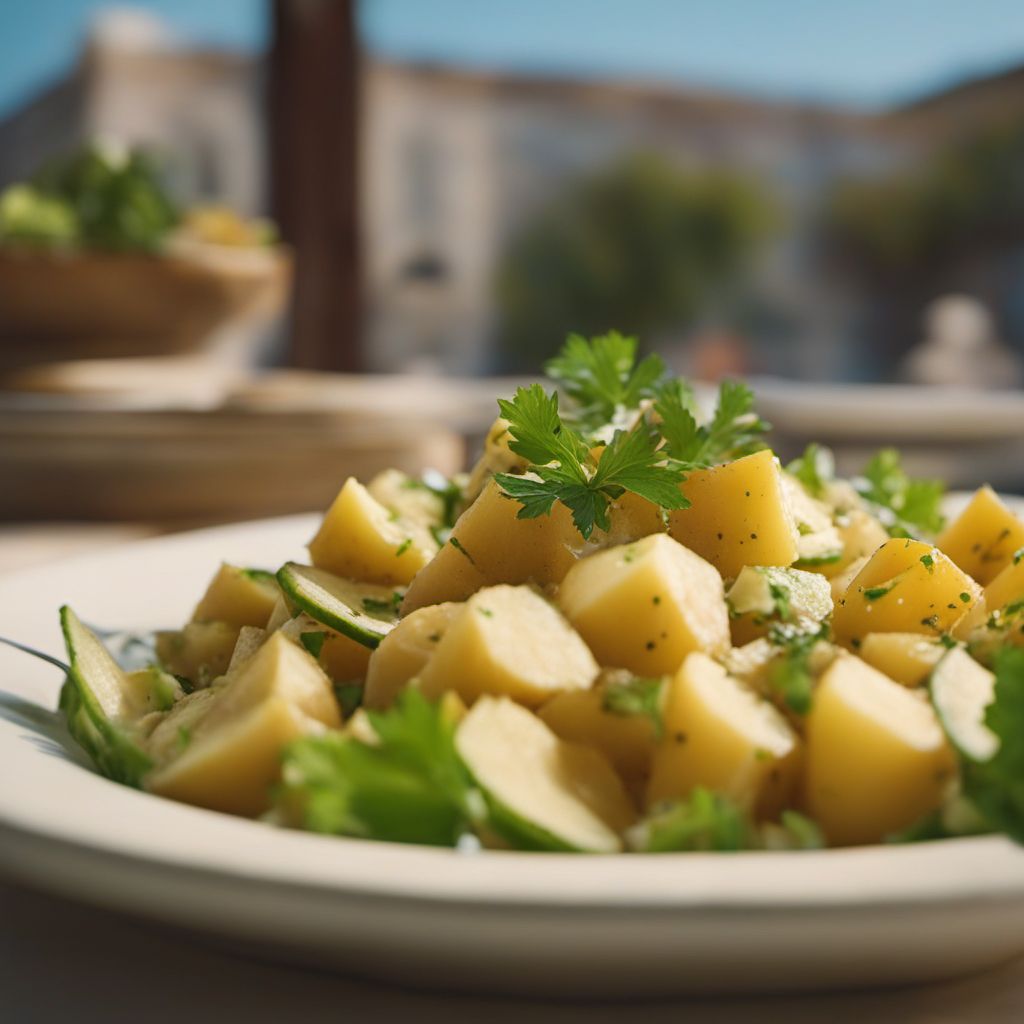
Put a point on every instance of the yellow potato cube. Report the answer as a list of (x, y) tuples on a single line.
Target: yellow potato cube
[(200, 652), (877, 759), (983, 538), (496, 457), (739, 515), (819, 544), (403, 653), (628, 741), (906, 586), (407, 497), (908, 658), (721, 735), (345, 660), (239, 597), (232, 756), (645, 606), (360, 539), (1007, 587), (862, 535), (765, 594), (508, 641), (490, 545), (631, 518)]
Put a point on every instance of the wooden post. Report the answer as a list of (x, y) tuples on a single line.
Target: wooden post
[(312, 98)]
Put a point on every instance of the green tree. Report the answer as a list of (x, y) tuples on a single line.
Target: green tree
[(641, 246)]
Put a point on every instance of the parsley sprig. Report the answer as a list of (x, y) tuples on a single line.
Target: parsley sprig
[(563, 467), (568, 459), (815, 469), (411, 787), (603, 378), (906, 507), (735, 429)]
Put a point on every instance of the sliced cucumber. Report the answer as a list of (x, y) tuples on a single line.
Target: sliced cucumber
[(961, 690), (364, 612), (542, 793), (95, 698)]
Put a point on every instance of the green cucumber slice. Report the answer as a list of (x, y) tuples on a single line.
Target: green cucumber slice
[(95, 695), (534, 791), (364, 612), (961, 690)]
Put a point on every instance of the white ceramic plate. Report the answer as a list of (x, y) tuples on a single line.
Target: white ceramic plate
[(495, 921)]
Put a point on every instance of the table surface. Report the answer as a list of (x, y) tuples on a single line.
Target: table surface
[(62, 960)]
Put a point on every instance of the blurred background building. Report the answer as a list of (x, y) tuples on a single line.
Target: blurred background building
[(500, 208), (827, 194)]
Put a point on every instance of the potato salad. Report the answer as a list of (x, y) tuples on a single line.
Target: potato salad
[(628, 628)]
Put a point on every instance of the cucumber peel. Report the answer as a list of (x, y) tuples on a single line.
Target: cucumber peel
[(92, 698), (960, 691), (364, 612)]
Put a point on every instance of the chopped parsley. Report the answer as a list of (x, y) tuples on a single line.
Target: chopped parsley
[(636, 697), (313, 642), (403, 547), (454, 541), (815, 469), (382, 609), (704, 821), (349, 697), (411, 787), (789, 675), (906, 507)]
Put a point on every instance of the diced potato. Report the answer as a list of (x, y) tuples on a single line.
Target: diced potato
[(907, 586), (544, 793), (845, 576), (983, 538), (631, 518), (908, 658), (404, 651), (232, 756), (1007, 587), (819, 544), (762, 595), (490, 545), (739, 515), (721, 735), (200, 652), (360, 539), (628, 741), (862, 535), (345, 660), (508, 641), (496, 457), (645, 606), (239, 597), (877, 759)]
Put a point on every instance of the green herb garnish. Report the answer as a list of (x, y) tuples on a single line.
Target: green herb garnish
[(411, 787), (637, 697), (313, 642), (907, 508), (815, 469), (564, 468)]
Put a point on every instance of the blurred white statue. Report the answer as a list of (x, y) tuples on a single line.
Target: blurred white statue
[(961, 349)]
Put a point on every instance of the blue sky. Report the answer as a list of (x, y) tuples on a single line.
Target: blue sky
[(859, 52)]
